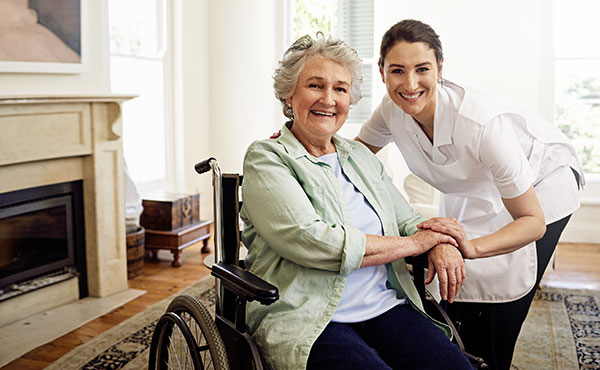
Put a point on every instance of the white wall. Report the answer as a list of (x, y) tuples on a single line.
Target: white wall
[(228, 55), (192, 100), (242, 51)]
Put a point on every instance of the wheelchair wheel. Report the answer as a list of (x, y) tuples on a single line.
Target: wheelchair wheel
[(188, 338), (173, 346)]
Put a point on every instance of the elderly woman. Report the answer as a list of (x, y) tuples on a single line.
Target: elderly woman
[(325, 224)]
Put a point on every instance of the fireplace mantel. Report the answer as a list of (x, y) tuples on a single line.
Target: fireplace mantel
[(52, 139)]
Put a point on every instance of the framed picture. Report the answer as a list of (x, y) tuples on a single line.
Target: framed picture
[(41, 36)]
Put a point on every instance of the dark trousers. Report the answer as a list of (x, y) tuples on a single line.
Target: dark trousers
[(401, 338), (490, 330)]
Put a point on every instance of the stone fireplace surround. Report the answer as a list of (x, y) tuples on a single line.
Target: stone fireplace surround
[(48, 140)]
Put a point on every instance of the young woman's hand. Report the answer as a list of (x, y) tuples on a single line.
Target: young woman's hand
[(452, 227), (448, 263)]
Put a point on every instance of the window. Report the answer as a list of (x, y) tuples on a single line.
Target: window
[(140, 64), (577, 66), (355, 26), (351, 21), (310, 16)]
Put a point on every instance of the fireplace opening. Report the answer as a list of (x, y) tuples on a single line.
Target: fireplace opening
[(42, 238)]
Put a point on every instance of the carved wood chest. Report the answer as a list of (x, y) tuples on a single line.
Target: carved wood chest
[(170, 211)]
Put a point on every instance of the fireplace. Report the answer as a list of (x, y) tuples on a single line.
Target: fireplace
[(55, 140), (41, 238)]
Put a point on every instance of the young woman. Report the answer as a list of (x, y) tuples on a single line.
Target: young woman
[(508, 181)]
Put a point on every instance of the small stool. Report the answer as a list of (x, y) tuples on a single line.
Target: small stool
[(178, 239)]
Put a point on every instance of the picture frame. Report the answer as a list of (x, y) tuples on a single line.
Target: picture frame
[(43, 36)]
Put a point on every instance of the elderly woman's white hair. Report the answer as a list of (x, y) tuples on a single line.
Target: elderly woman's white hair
[(290, 67)]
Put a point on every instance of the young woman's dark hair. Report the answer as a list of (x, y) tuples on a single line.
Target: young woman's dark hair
[(410, 30)]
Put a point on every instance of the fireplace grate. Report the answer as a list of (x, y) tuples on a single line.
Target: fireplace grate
[(15, 290)]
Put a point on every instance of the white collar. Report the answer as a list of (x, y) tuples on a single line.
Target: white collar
[(449, 99)]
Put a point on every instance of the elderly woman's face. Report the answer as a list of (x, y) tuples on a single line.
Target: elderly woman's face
[(322, 97)]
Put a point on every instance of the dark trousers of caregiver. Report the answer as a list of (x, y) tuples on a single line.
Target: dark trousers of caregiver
[(490, 330), (400, 338)]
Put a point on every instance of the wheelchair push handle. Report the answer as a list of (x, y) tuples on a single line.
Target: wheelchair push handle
[(217, 177), (204, 166)]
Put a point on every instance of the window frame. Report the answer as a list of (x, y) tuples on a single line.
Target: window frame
[(165, 54), (590, 195), (369, 63)]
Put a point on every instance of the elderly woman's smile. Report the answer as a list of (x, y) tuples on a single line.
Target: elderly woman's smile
[(321, 101), (320, 113)]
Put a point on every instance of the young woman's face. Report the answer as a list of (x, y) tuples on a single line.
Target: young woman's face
[(321, 100), (410, 73)]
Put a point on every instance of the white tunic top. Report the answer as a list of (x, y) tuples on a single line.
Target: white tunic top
[(484, 150)]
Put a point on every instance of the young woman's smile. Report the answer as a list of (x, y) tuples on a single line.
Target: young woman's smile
[(410, 74)]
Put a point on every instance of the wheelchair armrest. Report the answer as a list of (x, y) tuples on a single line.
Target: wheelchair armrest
[(245, 284), (420, 260)]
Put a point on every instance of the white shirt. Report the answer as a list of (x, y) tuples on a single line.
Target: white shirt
[(484, 150), (365, 294)]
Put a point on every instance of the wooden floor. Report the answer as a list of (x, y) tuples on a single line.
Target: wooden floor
[(577, 267), (159, 279)]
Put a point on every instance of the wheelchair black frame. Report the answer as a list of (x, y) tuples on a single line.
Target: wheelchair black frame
[(235, 286)]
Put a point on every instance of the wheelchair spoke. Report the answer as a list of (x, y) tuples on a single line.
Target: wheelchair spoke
[(202, 346), (172, 351), (208, 364), (171, 357), (179, 353), (205, 353)]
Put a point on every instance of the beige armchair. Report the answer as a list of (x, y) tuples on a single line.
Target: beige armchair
[(424, 198)]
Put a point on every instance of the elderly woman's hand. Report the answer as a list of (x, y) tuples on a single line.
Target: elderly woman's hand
[(425, 239), (447, 261), (452, 227)]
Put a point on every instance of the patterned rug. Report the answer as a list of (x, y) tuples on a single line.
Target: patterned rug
[(126, 346), (562, 331)]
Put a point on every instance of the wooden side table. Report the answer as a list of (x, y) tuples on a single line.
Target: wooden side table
[(178, 239)]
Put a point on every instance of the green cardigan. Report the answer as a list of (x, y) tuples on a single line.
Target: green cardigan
[(300, 239)]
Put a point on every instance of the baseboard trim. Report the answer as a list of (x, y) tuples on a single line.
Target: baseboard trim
[(575, 233)]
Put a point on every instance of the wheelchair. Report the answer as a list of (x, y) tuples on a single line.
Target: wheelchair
[(188, 337)]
